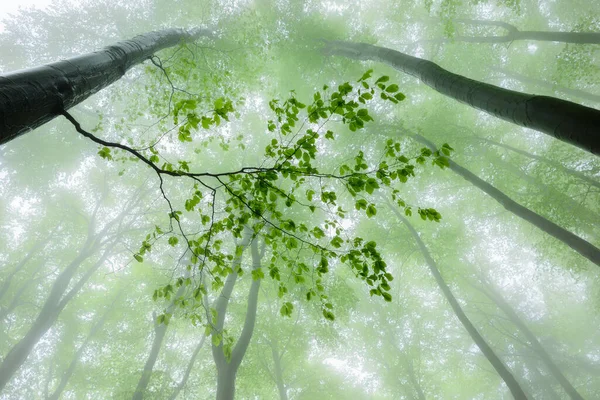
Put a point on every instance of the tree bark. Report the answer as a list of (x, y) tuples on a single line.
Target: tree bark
[(583, 247), (566, 121), (493, 294), (29, 98), (491, 356)]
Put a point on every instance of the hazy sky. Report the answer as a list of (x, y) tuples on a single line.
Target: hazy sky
[(10, 6)]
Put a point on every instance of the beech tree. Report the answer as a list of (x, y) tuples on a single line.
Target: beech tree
[(564, 120), (260, 260)]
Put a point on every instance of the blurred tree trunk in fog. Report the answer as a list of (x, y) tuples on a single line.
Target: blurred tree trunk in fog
[(188, 369), (160, 329), (59, 297), (39, 245), (542, 159), (34, 96), (513, 33), (591, 217), (277, 374), (551, 86), (566, 121), (583, 247), (73, 364), (505, 374), (490, 291), (227, 369)]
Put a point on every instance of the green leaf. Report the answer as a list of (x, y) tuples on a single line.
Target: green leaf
[(371, 210), (361, 204), (366, 75), (286, 309), (173, 241), (328, 315), (337, 242), (393, 88), (384, 78), (105, 153), (138, 258)]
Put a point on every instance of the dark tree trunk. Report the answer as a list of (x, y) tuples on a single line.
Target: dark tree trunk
[(491, 356), (513, 33), (583, 247), (29, 98), (490, 291), (566, 121)]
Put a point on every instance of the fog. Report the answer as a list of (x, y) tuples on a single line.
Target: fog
[(286, 200)]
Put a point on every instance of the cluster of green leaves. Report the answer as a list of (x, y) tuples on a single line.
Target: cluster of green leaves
[(294, 179)]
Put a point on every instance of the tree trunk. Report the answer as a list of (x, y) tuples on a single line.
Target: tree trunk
[(498, 365), (226, 383), (513, 33), (73, 364), (557, 88), (45, 319), (547, 161), (159, 335), (493, 294), (563, 120), (39, 245), (227, 369), (583, 247), (278, 370), (188, 370), (29, 98)]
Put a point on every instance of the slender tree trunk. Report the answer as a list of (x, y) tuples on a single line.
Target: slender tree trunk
[(408, 364), (159, 335), (591, 219), (45, 319), (513, 33), (73, 364), (498, 365), (29, 98), (39, 245), (278, 370), (227, 369), (563, 120), (557, 88), (493, 294), (583, 247), (188, 370), (547, 161), (58, 299)]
